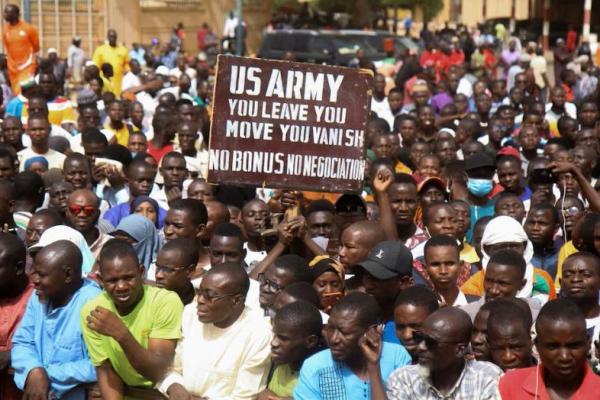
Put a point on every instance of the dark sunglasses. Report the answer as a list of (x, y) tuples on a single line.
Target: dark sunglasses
[(87, 210), (430, 342)]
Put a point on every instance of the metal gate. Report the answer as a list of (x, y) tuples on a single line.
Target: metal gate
[(58, 21)]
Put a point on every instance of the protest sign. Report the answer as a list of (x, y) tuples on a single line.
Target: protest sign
[(289, 125)]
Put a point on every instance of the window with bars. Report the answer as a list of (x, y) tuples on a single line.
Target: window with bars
[(170, 3)]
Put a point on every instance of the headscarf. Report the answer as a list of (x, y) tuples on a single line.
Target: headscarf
[(505, 229), (38, 159), (321, 264), (63, 232), (143, 231), (145, 199)]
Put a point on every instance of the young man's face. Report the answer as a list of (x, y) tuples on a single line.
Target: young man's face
[(511, 206), (174, 171), (395, 100), (540, 227), (272, 282), (289, 345), (509, 175), (123, 279), (403, 198), (178, 224), (479, 345), (254, 217), (443, 266), (502, 281), (409, 318), (225, 249), (557, 97), (563, 348), (588, 114), (429, 166), (510, 345), (353, 247), (580, 279), (441, 221), (408, 131), (321, 223), (141, 181), (171, 271)]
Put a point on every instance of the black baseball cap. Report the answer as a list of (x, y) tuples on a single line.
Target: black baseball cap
[(479, 160), (387, 260)]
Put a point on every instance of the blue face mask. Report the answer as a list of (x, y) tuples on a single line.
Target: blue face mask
[(480, 187), (133, 154)]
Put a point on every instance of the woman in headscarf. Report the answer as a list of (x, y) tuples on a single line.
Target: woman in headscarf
[(63, 232), (38, 164), (328, 281), (142, 235), (146, 207), (505, 232)]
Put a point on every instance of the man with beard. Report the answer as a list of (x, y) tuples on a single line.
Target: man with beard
[(442, 371)]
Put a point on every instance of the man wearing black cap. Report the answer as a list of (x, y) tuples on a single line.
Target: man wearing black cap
[(385, 273), (480, 168)]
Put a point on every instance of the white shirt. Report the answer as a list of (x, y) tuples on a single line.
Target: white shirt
[(230, 363), (383, 111), (130, 80), (253, 257), (54, 158)]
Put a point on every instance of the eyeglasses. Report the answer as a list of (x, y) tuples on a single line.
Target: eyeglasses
[(169, 270), (430, 342), (76, 209), (212, 298), (571, 211), (267, 282)]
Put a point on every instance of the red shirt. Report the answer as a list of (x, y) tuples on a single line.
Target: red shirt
[(11, 312), (521, 384), (569, 95), (158, 154), (428, 58)]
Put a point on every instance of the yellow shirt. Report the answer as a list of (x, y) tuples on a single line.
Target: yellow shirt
[(157, 316), (283, 381), (118, 57), (565, 251), (60, 110), (122, 135), (468, 254)]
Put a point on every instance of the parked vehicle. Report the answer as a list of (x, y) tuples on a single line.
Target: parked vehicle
[(330, 47)]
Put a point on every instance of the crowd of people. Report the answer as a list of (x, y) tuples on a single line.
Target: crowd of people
[(468, 267)]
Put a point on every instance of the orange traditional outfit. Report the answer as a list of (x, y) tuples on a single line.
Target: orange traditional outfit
[(21, 41)]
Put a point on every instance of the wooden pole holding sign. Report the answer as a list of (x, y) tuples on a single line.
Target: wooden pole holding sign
[(289, 125)]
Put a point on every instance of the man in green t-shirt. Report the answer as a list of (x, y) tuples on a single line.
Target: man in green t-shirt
[(130, 329), (296, 336)]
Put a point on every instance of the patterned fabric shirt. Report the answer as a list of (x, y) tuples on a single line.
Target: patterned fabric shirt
[(478, 381), (419, 237)]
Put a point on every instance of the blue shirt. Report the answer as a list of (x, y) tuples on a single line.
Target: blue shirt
[(115, 214), (52, 339), (389, 333), (323, 378), (547, 258), (477, 212)]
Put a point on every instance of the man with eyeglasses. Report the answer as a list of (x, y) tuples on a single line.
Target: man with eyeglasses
[(442, 371), (286, 269), (175, 263), (225, 348), (130, 329), (82, 215)]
